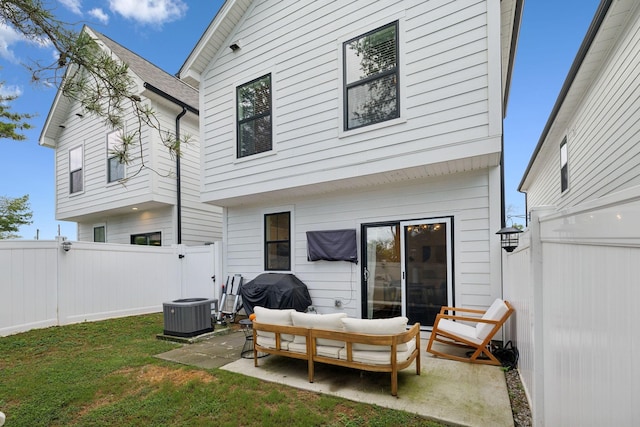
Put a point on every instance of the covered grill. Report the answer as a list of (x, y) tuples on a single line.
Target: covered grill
[(275, 290)]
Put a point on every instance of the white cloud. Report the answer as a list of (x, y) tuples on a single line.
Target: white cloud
[(8, 37), (149, 11), (99, 15), (6, 91), (73, 5)]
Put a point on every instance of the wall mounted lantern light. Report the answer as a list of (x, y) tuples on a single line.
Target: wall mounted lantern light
[(509, 238), (66, 245)]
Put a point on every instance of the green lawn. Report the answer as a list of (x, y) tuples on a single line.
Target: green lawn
[(104, 374)]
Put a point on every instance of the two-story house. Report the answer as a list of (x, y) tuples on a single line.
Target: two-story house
[(367, 132), (115, 202)]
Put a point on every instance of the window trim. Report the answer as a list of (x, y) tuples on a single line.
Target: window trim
[(239, 122), (81, 169), (112, 157), (564, 166), (266, 242), (397, 72)]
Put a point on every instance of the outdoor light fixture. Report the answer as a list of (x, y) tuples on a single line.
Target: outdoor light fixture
[(66, 245), (235, 45), (509, 238)]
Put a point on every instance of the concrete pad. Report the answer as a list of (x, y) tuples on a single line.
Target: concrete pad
[(448, 391), (210, 353), (451, 392)]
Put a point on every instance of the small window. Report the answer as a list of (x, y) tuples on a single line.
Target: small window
[(371, 78), (564, 166), (99, 234), (115, 168), (75, 170), (149, 239), (254, 116), (277, 241)]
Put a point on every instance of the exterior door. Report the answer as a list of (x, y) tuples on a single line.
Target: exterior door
[(427, 271), (407, 269)]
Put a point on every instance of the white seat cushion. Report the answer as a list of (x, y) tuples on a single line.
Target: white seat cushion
[(274, 317), (379, 357), (321, 350), (320, 321), (270, 342), (395, 325), (459, 329), (495, 312)]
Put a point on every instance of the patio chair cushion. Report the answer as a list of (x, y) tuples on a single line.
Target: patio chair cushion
[(274, 317), (321, 350), (270, 342), (379, 357), (460, 329), (496, 311), (321, 321), (393, 325)]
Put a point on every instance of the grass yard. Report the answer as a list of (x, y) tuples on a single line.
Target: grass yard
[(104, 374)]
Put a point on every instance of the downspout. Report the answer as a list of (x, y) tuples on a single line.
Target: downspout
[(185, 107), (178, 189)]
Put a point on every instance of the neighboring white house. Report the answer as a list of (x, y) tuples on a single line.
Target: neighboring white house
[(589, 147), (380, 119), (574, 278), (147, 207)]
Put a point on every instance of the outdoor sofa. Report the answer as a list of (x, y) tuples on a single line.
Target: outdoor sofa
[(378, 345)]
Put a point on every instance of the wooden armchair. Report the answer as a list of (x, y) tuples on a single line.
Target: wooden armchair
[(476, 332)]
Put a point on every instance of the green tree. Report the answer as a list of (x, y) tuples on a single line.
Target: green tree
[(84, 72), (11, 123), (14, 212)]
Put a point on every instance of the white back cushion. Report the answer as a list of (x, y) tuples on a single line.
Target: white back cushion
[(274, 317), (495, 312), (395, 325), (320, 321)]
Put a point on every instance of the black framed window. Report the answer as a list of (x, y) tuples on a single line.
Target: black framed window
[(99, 234), (371, 77), (149, 239), (277, 241), (564, 166), (75, 170), (254, 116), (115, 168)]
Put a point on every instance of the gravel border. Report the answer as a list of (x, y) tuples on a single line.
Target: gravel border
[(519, 403)]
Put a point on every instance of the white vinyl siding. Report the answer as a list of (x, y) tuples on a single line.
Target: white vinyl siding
[(602, 134), (445, 107), (466, 197), (112, 203)]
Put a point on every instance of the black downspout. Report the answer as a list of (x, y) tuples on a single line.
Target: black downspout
[(185, 108), (179, 196)]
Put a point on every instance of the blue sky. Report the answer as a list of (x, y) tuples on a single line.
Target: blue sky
[(165, 31)]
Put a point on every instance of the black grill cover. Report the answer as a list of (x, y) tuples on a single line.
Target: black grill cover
[(275, 290)]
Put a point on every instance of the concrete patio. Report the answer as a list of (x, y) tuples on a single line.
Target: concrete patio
[(451, 392)]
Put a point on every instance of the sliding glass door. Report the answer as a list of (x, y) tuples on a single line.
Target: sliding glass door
[(407, 269)]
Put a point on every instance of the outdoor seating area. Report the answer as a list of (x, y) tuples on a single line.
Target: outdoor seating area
[(379, 345), (469, 328)]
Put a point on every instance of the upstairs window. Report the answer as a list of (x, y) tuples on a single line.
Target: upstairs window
[(277, 241), (371, 78), (254, 116), (564, 166), (115, 168), (75, 170)]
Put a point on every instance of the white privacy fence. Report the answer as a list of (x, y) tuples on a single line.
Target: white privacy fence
[(575, 283), (43, 285)]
